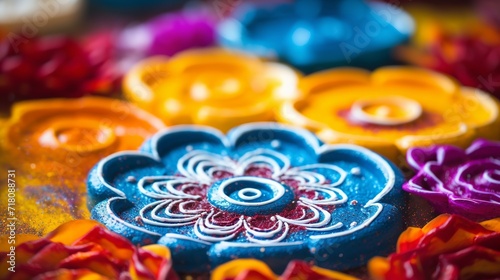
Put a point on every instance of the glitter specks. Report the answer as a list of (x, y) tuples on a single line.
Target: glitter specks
[(356, 171), (131, 179), (275, 143)]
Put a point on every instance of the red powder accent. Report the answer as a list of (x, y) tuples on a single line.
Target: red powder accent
[(259, 171), (226, 218), (292, 211), (200, 190), (219, 175), (261, 221), (293, 184), (265, 221)]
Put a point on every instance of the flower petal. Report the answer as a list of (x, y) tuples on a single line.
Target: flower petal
[(152, 262), (97, 262), (274, 136), (121, 164), (482, 148), (458, 181), (302, 270), (70, 232), (51, 255), (448, 247), (94, 253), (232, 269), (113, 244), (473, 262), (70, 274)]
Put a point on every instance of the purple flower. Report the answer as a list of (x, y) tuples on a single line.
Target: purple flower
[(457, 181), (171, 33)]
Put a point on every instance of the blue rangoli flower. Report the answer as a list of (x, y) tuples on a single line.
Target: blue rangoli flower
[(264, 191)]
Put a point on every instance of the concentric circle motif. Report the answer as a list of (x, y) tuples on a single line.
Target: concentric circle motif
[(250, 195), (90, 136), (391, 110), (264, 191)]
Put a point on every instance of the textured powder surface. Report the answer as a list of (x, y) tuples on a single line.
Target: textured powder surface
[(266, 191), (53, 144)]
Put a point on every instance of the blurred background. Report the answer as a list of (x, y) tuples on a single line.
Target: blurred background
[(72, 48)]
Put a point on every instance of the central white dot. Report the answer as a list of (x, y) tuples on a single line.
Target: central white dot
[(275, 189), (275, 143), (249, 194), (356, 171)]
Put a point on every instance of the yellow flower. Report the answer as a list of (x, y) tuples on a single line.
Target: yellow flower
[(212, 87), (392, 109), (52, 144)]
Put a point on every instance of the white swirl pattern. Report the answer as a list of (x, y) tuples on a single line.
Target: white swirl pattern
[(197, 169)]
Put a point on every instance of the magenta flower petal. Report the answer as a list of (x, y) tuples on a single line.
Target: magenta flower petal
[(457, 181)]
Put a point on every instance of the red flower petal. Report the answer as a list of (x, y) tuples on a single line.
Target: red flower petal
[(96, 262), (70, 274), (448, 247), (146, 265), (473, 262), (51, 255), (115, 244)]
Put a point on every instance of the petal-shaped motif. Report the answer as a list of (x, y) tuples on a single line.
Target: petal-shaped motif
[(213, 87), (170, 33), (448, 247), (52, 145), (465, 182), (253, 269), (56, 66), (341, 33), (84, 249), (265, 191), (392, 109)]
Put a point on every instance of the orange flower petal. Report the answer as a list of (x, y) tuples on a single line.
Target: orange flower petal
[(158, 250), (92, 253), (96, 262), (302, 270), (448, 247), (250, 269), (51, 255), (116, 245), (26, 251), (378, 267), (436, 222), (493, 224), (155, 259), (473, 262), (71, 274), (231, 270), (71, 231), (409, 239), (55, 143), (147, 265)]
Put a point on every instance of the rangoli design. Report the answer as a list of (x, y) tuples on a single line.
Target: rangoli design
[(264, 191)]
